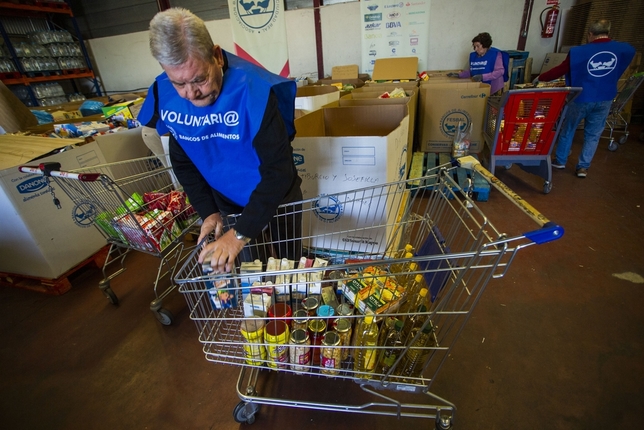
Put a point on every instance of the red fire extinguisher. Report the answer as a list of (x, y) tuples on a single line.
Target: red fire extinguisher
[(548, 26)]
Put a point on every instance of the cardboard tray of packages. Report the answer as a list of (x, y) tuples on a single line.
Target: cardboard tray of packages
[(38, 239), (440, 108), (345, 148), (312, 97)]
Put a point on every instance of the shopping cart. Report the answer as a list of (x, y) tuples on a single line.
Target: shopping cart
[(521, 127), (352, 261), (137, 205), (615, 118)]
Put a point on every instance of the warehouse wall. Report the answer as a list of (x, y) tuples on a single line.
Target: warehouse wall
[(124, 62)]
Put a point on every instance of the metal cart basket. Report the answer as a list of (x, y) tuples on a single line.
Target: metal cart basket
[(615, 118), (419, 251), (521, 127), (137, 205)]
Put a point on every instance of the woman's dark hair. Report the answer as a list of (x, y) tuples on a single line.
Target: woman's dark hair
[(484, 39)]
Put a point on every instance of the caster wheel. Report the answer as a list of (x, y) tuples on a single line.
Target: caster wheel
[(612, 146), (245, 412), (622, 140), (508, 166), (547, 187), (164, 316), (107, 292), (443, 423)]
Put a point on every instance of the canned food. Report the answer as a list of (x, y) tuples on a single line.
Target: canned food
[(331, 359), (310, 304), (300, 320), (343, 328), (300, 351), (281, 311), (316, 332), (276, 335), (253, 332)]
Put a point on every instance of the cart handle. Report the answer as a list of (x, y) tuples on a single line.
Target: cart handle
[(549, 231), (45, 169)]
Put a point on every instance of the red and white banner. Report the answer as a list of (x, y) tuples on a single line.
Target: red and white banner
[(259, 33)]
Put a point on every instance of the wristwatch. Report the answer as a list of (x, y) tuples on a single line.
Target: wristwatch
[(240, 236)]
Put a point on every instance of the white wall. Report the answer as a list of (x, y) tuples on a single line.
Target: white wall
[(124, 62)]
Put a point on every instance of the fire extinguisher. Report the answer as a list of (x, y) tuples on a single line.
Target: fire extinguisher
[(548, 26)]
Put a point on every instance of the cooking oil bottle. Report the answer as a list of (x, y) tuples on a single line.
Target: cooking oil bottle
[(393, 344), (365, 354), (416, 355), (413, 303), (414, 321)]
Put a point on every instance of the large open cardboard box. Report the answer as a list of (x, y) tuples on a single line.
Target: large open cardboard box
[(440, 108), (340, 149), (369, 96), (38, 239)]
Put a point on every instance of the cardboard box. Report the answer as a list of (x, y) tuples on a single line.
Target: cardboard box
[(369, 96), (61, 115), (38, 239), (345, 148), (313, 97), (552, 59), (129, 109), (395, 69), (442, 105)]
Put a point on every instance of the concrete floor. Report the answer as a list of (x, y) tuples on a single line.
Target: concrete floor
[(557, 343)]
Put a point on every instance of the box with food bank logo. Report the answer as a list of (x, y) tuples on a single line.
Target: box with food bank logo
[(340, 149), (443, 106), (38, 239)]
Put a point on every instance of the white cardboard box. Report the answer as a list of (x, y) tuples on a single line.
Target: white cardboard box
[(313, 97), (39, 240), (341, 149)]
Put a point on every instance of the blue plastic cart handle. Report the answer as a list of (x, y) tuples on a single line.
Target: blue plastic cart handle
[(549, 232)]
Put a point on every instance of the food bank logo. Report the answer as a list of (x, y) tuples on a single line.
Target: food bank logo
[(298, 159), (449, 122), (327, 208), (601, 64), (256, 14), (83, 214)]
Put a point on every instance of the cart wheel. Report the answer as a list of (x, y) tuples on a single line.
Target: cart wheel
[(245, 412), (443, 423), (110, 295), (164, 316), (622, 140), (612, 146), (547, 187), (508, 166)]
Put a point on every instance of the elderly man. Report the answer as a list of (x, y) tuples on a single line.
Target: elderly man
[(231, 127), (596, 67)]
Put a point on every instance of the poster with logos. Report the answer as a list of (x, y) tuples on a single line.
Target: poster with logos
[(259, 33), (392, 29)]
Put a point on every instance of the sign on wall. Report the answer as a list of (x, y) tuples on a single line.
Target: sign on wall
[(259, 33), (393, 28)]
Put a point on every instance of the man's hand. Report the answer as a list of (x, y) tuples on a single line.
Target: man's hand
[(536, 81), (477, 78), (452, 75), (222, 252), (210, 224)]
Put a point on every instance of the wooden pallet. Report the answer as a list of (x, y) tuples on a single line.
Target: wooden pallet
[(58, 286), (425, 161)]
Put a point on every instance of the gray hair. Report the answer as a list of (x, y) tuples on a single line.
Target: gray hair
[(177, 34), (601, 26)]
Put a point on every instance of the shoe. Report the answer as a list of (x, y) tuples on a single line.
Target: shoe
[(581, 172), (558, 166)]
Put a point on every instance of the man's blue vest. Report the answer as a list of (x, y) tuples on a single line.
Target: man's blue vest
[(219, 138), (596, 67)]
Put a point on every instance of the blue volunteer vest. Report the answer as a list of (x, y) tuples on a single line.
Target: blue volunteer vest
[(219, 138), (485, 64), (596, 67)]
